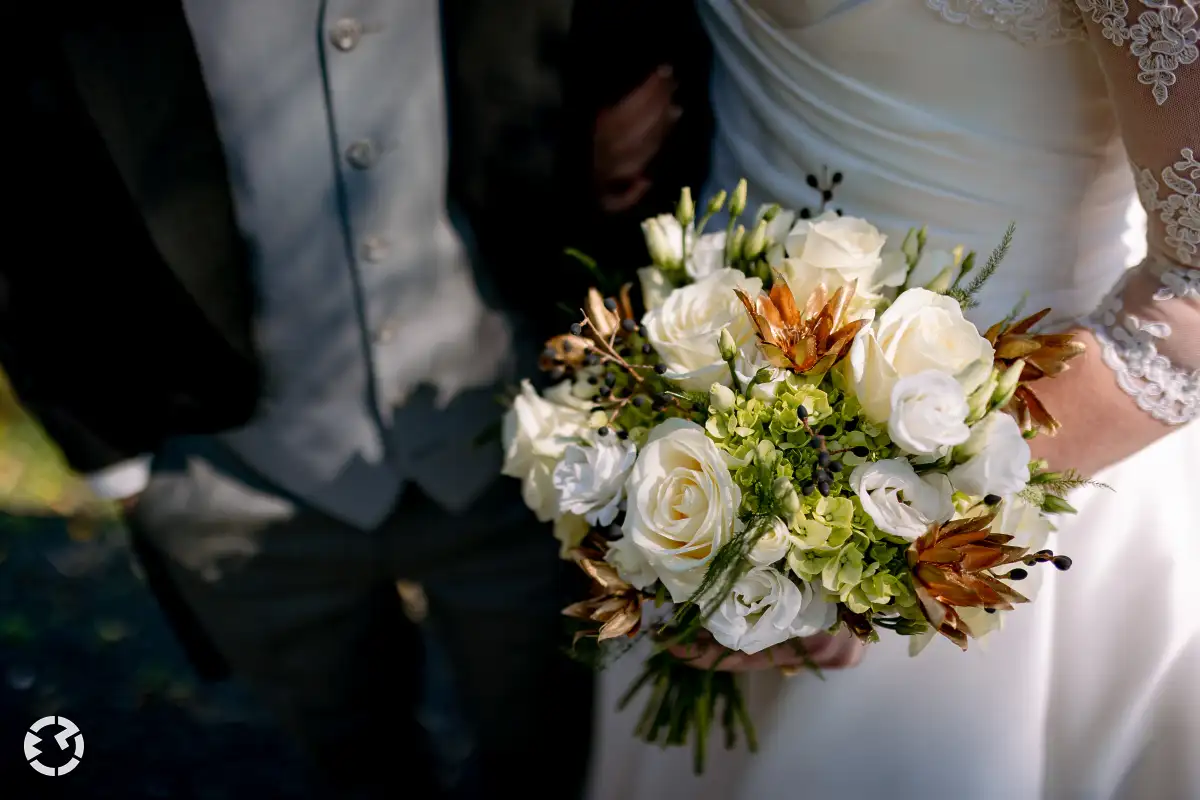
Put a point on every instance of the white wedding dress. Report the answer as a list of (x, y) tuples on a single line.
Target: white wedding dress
[(965, 115)]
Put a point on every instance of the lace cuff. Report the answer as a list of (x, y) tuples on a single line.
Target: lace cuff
[(1149, 333)]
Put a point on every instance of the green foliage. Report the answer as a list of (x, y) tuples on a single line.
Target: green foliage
[(968, 297)]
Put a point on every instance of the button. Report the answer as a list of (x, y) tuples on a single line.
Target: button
[(361, 154), (345, 34), (375, 249)]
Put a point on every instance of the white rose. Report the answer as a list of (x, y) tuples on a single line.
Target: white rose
[(707, 256), (997, 458), (920, 331), (836, 251), (765, 609), (535, 433), (591, 479), (684, 329), (631, 565), (570, 530), (929, 412), (771, 545), (682, 504), (900, 501)]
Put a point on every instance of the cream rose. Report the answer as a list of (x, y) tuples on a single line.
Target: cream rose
[(684, 329), (765, 609), (836, 251), (920, 331), (535, 433), (997, 458), (929, 412), (682, 504), (898, 500)]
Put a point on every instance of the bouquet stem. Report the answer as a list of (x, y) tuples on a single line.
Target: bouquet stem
[(683, 704)]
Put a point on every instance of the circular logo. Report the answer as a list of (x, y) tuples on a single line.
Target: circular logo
[(69, 731)]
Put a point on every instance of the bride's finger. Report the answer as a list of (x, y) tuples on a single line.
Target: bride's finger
[(653, 95)]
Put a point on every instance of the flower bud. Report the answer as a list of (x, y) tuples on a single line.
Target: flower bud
[(942, 282), (756, 242), (968, 264), (716, 202), (909, 247), (733, 245), (1056, 505), (685, 211), (737, 203), (782, 487), (1008, 384), (791, 502), (770, 212), (726, 345), (922, 237), (721, 397), (980, 399), (766, 454), (764, 375), (657, 244)]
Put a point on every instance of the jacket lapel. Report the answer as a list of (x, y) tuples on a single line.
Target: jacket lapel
[(135, 68)]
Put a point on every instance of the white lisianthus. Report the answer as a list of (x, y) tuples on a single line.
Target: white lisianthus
[(570, 530), (921, 331), (682, 504), (997, 458), (707, 256), (535, 433), (900, 501), (837, 251), (685, 328), (929, 412), (655, 287), (772, 544), (664, 240), (630, 563), (765, 609), (778, 229), (590, 479)]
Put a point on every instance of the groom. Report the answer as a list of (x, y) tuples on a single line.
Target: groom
[(251, 313)]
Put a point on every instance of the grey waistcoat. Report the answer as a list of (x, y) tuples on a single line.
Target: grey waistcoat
[(382, 359)]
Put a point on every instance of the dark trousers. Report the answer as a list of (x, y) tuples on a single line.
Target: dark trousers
[(305, 609)]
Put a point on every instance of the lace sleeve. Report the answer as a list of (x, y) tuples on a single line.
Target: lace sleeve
[(1149, 326)]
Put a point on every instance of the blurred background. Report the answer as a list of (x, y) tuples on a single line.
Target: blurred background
[(81, 635)]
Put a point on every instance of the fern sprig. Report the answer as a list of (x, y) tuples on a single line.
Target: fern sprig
[(967, 297)]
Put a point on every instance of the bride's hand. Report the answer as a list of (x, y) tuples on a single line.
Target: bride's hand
[(628, 136), (839, 651)]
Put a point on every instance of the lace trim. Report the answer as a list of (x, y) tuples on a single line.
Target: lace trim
[(1128, 346), (1179, 210), (1163, 37), (1027, 21)]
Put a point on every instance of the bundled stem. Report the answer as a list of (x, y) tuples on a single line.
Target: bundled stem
[(683, 705)]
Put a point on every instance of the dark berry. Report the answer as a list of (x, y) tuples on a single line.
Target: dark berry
[(1061, 562), (835, 466), (851, 425), (602, 431), (1017, 574), (629, 325), (597, 408), (990, 610), (805, 213), (661, 398), (823, 488), (801, 412), (624, 352), (661, 369), (812, 182), (828, 430), (817, 441), (591, 359), (610, 379), (610, 304), (862, 451), (823, 458), (992, 499), (838, 211), (639, 400), (807, 489), (647, 349), (576, 329), (593, 380), (622, 435), (827, 195), (604, 391), (837, 178)]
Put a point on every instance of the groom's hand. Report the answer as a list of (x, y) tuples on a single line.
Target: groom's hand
[(840, 651), (627, 137)]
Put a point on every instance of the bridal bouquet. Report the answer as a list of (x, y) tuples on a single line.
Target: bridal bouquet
[(790, 438)]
